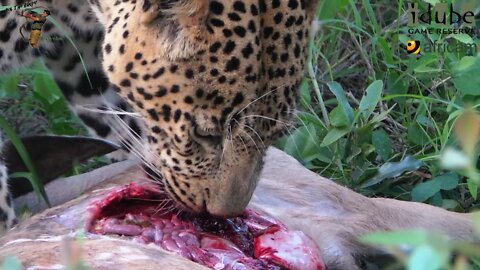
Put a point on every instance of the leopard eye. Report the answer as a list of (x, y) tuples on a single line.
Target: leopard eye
[(207, 136)]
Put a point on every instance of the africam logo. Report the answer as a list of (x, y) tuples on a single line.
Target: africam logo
[(22, 6), (29, 10), (38, 20), (414, 47)]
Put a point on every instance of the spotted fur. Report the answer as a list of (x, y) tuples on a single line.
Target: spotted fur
[(214, 82), (87, 95), (85, 85), (7, 215)]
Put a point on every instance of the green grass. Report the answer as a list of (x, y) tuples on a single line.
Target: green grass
[(32, 93), (386, 123), (366, 103), (31, 104)]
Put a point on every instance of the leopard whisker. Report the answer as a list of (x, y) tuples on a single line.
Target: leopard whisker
[(241, 139), (268, 118), (225, 145), (256, 133), (109, 111), (254, 143), (161, 208), (134, 149), (288, 126), (262, 96), (139, 145)]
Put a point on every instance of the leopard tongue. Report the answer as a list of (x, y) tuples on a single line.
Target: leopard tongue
[(250, 241)]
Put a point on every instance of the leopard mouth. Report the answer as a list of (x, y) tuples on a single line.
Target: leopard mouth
[(249, 241), (171, 194)]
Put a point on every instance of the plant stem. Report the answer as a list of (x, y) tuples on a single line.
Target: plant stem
[(311, 73)]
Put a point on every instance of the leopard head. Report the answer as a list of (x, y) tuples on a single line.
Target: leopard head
[(215, 82)]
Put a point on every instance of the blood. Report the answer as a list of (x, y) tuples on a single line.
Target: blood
[(250, 241)]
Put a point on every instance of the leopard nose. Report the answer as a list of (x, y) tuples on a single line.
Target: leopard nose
[(229, 203), (231, 192)]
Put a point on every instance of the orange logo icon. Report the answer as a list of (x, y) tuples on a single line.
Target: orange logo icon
[(413, 47)]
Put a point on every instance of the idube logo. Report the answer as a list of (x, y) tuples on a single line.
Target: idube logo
[(442, 19), (442, 14)]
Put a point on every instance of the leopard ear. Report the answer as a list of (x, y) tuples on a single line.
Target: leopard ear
[(188, 14), (181, 23), (51, 156), (191, 16)]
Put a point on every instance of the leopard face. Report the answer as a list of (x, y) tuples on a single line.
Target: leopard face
[(215, 82)]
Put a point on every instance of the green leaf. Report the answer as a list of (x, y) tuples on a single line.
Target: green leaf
[(424, 191), (339, 93), (370, 100), (428, 189), (387, 51), (32, 176), (476, 220), (382, 144), (464, 63), (364, 134), (334, 135), (380, 117), (46, 88), (302, 144), (338, 118), (416, 135), (468, 81), (11, 263), (396, 86), (472, 187), (448, 181), (432, 2), (411, 238), (450, 204), (463, 38), (425, 258), (425, 121), (393, 169), (9, 86), (367, 6), (426, 63), (427, 69), (329, 9), (305, 97)]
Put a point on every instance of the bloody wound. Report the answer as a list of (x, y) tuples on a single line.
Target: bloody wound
[(250, 241)]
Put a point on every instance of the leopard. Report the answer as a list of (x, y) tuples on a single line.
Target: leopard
[(76, 68), (197, 90)]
